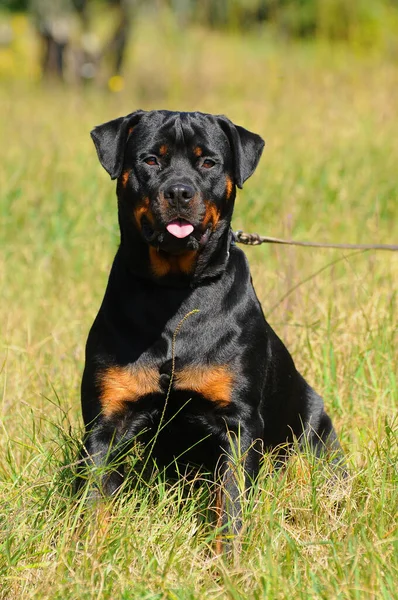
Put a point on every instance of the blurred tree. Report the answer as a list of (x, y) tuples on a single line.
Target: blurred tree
[(116, 46), (15, 5), (52, 19), (361, 22)]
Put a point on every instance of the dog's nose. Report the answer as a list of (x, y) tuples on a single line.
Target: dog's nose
[(179, 194)]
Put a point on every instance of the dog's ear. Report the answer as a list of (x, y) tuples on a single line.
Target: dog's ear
[(110, 140), (246, 147)]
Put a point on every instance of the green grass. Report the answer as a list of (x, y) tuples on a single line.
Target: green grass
[(329, 173)]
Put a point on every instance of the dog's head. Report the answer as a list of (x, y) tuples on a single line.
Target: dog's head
[(176, 174)]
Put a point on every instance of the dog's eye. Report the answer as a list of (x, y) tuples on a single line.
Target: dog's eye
[(208, 163), (152, 161)]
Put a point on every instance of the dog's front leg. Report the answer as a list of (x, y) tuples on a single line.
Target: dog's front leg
[(104, 450), (100, 463), (237, 469)]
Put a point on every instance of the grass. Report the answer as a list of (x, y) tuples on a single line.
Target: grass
[(328, 173)]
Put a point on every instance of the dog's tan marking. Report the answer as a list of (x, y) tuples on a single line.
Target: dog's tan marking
[(143, 209), (163, 150), (130, 131), (212, 214), (159, 264), (229, 186), (214, 382), (125, 177), (126, 384), (197, 151), (163, 203), (162, 264), (187, 261)]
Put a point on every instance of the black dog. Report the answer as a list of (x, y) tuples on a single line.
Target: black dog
[(223, 383)]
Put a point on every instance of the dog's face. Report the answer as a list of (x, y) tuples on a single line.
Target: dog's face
[(176, 174)]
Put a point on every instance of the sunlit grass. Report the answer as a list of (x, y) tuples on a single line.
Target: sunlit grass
[(328, 173)]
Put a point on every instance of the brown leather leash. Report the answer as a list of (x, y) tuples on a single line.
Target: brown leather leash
[(254, 239)]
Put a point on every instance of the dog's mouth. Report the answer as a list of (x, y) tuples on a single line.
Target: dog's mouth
[(178, 235)]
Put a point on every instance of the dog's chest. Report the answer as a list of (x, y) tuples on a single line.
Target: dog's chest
[(143, 383)]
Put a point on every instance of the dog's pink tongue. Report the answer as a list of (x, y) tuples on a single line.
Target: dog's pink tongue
[(179, 228)]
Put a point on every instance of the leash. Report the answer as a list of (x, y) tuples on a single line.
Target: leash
[(254, 239)]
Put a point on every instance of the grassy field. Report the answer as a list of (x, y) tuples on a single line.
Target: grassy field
[(329, 173)]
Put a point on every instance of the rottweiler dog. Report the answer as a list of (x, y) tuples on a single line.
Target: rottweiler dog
[(180, 353)]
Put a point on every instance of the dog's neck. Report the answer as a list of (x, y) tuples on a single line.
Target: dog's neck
[(186, 270), (212, 263)]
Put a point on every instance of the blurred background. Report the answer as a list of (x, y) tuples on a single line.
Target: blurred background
[(104, 41)]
